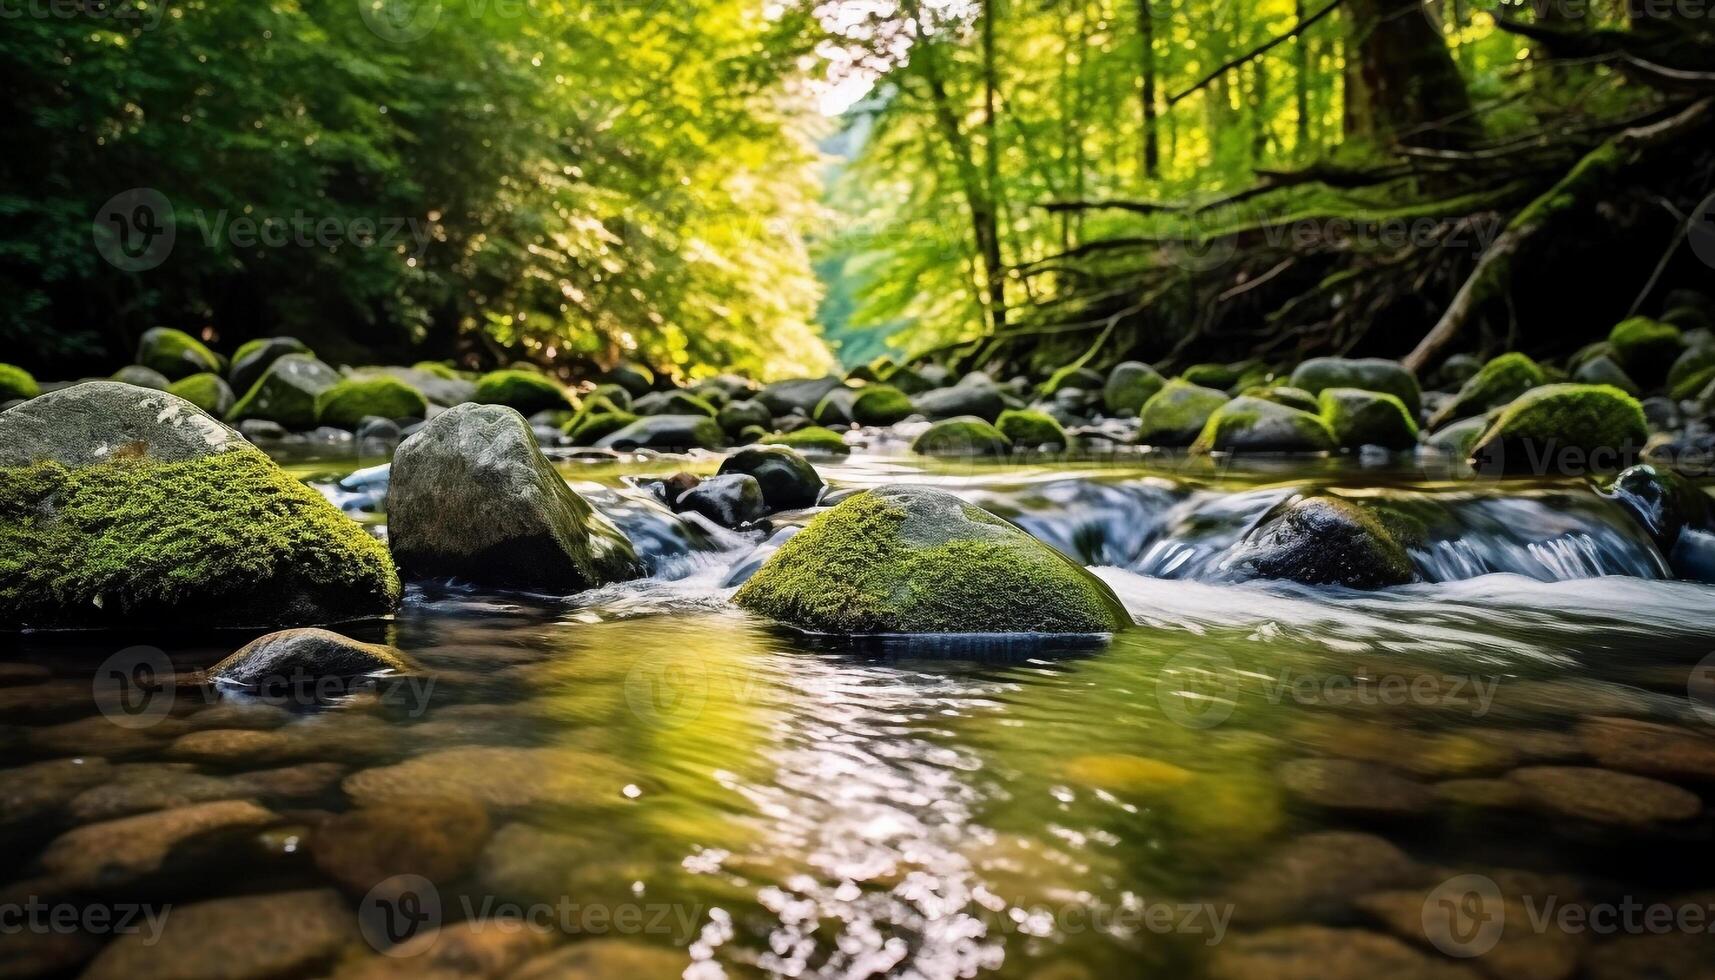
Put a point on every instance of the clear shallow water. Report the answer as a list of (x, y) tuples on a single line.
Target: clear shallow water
[(1260, 780)]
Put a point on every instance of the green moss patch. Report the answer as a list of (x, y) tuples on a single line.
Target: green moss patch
[(916, 560), (592, 427), (225, 540), (351, 401), (1175, 415), (1367, 418), (526, 391), (964, 436), (176, 354), (15, 382), (1646, 348), (1031, 429), (1563, 430), (206, 391), (1497, 383), (811, 439), (1252, 425), (1368, 373), (880, 404), (1129, 385)]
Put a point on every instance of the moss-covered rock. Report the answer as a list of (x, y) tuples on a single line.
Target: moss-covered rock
[(618, 396), (1286, 395), (1457, 370), (1073, 376), (909, 380), (835, 408), (1691, 372), (253, 357), (975, 394), (787, 479), (967, 436), (737, 415), (1129, 385), (1363, 417), (1030, 429), (176, 354), (918, 560), (798, 395), (436, 388), (99, 421), (1563, 429), (267, 663), (1221, 376), (1646, 348), (525, 391), (1325, 541), (1499, 382), (1604, 370), (472, 498), (673, 402), (15, 382), (1175, 415), (1688, 318), (352, 400), (206, 391), (881, 404), (1664, 503), (287, 392), (222, 540), (142, 377), (811, 439), (1368, 373), (590, 428), (633, 377), (1457, 439), (1251, 425), (439, 369), (667, 433)]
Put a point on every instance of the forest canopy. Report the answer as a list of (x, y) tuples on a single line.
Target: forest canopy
[(744, 184)]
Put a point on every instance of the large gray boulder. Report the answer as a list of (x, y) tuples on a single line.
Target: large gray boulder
[(253, 357), (472, 498), (97, 421)]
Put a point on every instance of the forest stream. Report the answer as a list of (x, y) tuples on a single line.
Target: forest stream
[(1260, 779)]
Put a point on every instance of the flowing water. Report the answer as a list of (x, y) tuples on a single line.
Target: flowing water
[(1260, 780)]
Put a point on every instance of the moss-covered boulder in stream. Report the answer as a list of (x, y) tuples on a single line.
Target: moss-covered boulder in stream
[(589, 428), (253, 357), (1030, 429), (740, 413), (967, 436), (1175, 415), (811, 439), (1499, 382), (206, 391), (176, 354), (267, 663), (1326, 541), (1368, 373), (1677, 515), (526, 391), (1362, 417), (1563, 430), (787, 479), (125, 506), (881, 404), (919, 560), (673, 402), (15, 382), (1646, 348), (349, 402), (1286, 395), (142, 377), (1129, 385), (1252, 425), (667, 433), (287, 392), (472, 498)]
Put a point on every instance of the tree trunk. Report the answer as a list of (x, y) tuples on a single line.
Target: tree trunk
[(1401, 79), (1301, 83), (1151, 139)]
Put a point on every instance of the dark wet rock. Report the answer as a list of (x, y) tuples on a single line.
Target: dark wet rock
[(1661, 413), (117, 851), (1497, 383), (471, 497), (437, 838), (599, 959), (671, 403), (32, 791), (1368, 374), (676, 486), (287, 392), (290, 655), (1175, 415), (99, 421), (912, 382), (1487, 793), (1457, 439), (495, 947), (964, 436), (496, 777), (375, 431), (835, 408), (1321, 953), (143, 787), (1324, 541), (743, 569), (918, 560), (1129, 385), (634, 378), (1603, 796), (1457, 370), (1368, 418), (444, 389), (253, 357), (1342, 784), (667, 433), (1254, 425), (1602, 370), (1518, 950), (1667, 506), (974, 395), (141, 377), (736, 416), (287, 783), (1563, 430), (262, 430), (1646, 348), (1649, 748), (799, 396), (1421, 753), (730, 501), (25, 954), (176, 354), (788, 481), (233, 746), (96, 735), (1674, 956), (256, 937), (1318, 875), (813, 439)]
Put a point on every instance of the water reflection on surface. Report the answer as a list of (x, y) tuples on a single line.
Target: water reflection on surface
[(1260, 780)]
